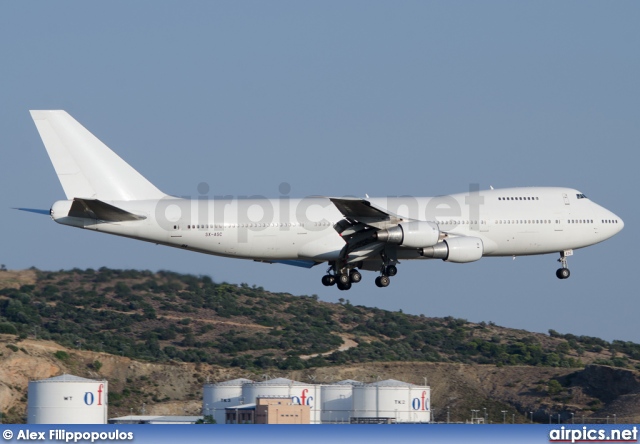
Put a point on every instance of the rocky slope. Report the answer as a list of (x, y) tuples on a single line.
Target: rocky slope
[(176, 388), (158, 337)]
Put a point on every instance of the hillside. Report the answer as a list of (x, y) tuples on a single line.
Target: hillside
[(143, 328)]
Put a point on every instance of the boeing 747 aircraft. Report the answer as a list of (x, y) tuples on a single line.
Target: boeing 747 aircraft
[(107, 195)]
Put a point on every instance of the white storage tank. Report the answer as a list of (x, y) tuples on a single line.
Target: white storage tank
[(299, 392), (337, 401), (404, 402), (67, 399), (217, 397)]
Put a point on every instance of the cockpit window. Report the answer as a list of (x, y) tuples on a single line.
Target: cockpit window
[(581, 196)]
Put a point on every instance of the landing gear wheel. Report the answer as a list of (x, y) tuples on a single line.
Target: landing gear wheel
[(355, 276), (344, 279), (383, 281), (328, 280), (391, 270), (563, 273), (342, 286)]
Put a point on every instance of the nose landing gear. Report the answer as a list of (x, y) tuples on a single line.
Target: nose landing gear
[(564, 273)]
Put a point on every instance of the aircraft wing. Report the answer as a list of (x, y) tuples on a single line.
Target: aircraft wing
[(361, 210), (362, 219)]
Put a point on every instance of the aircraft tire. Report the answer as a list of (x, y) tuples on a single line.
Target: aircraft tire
[(383, 281), (342, 286), (355, 276), (328, 280)]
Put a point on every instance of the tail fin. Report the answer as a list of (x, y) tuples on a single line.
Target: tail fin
[(86, 167)]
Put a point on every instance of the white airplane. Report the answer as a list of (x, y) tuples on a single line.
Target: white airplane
[(107, 195)]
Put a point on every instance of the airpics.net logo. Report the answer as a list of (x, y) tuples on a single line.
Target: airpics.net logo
[(586, 434)]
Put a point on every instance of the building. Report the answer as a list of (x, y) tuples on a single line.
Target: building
[(240, 414), (298, 392), (269, 410), (281, 411)]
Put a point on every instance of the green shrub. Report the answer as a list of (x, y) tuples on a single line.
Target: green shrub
[(8, 328), (61, 355), (554, 387)]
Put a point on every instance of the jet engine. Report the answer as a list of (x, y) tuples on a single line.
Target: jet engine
[(414, 234), (456, 249)]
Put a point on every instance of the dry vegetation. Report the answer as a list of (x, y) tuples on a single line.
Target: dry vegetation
[(159, 337)]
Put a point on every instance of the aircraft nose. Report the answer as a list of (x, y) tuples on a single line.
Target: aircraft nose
[(618, 223)]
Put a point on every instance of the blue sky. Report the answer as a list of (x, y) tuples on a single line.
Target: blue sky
[(341, 98)]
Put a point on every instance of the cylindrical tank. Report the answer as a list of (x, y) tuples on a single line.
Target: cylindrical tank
[(299, 392), (217, 397), (67, 399), (337, 401), (401, 401)]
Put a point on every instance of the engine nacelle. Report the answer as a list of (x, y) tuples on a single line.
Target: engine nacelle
[(415, 234), (456, 249)]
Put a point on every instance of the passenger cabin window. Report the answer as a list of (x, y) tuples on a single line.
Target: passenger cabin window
[(523, 198)]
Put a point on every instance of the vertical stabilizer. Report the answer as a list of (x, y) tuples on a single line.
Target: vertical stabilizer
[(86, 167)]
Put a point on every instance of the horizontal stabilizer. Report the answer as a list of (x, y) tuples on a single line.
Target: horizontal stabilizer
[(96, 209), (34, 210)]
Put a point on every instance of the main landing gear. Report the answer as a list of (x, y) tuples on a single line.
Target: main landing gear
[(346, 278), (383, 280), (564, 273), (343, 280)]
